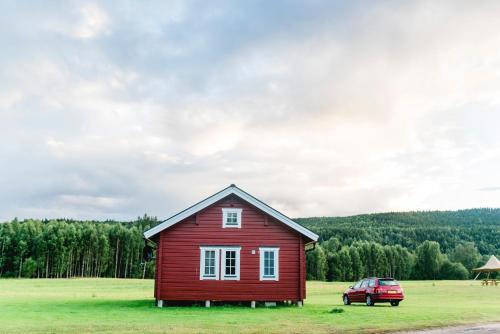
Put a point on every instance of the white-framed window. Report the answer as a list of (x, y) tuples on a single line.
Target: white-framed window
[(209, 263), (219, 263), (269, 263), (231, 217), (230, 268)]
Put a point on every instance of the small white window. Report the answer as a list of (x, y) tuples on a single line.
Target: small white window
[(230, 269), (269, 263), (209, 263), (231, 217), (219, 262)]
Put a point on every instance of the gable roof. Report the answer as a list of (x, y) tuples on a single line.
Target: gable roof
[(231, 190)]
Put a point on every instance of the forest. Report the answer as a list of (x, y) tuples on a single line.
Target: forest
[(404, 245), (65, 248)]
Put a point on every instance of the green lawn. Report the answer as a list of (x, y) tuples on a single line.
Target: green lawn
[(126, 306)]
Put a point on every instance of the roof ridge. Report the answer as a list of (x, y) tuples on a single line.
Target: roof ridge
[(232, 189)]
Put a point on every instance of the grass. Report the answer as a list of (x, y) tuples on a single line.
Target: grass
[(126, 306)]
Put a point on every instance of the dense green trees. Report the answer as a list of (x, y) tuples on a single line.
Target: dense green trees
[(410, 229), (452, 270), (417, 245), (365, 259), (411, 245), (467, 254), (66, 248), (361, 259), (316, 264), (428, 260)]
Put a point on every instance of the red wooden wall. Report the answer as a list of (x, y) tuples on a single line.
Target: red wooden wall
[(178, 257)]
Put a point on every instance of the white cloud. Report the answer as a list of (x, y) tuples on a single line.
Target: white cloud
[(93, 22), (346, 110)]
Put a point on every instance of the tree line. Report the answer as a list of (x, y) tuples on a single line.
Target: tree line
[(67, 248), (333, 261), (403, 245), (411, 229), (408, 245)]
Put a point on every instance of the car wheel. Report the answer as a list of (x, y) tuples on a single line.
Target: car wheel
[(346, 300), (395, 303), (369, 300)]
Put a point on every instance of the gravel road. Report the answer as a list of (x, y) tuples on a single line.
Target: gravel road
[(471, 329)]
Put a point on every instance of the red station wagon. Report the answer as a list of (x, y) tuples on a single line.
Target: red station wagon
[(374, 290)]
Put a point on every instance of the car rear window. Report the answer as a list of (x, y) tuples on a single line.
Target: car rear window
[(387, 282)]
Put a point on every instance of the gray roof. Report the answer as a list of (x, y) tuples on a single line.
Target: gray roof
[(231, 190)]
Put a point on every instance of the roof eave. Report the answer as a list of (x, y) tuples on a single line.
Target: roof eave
[(232, 189)]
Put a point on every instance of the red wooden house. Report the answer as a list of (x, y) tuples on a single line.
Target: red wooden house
[(230, 247)]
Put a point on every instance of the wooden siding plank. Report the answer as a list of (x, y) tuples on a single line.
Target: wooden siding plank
[(178, 257)]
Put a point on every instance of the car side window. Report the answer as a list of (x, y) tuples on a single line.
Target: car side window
[(365, 283), (371, 284), (357, 285)]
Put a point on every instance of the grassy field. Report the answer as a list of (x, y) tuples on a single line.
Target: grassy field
[(126, 306)]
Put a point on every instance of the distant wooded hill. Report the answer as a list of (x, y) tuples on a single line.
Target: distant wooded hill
[(410, 229), (404, 245)]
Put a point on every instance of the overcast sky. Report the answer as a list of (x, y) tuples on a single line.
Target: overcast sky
[(116, 109)]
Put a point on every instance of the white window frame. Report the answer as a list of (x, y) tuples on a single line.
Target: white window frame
[(276, 252), (220, 263), (225, 212), (202, 263), (223, 276)]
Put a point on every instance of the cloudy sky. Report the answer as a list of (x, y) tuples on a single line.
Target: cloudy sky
[(116, 109)]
